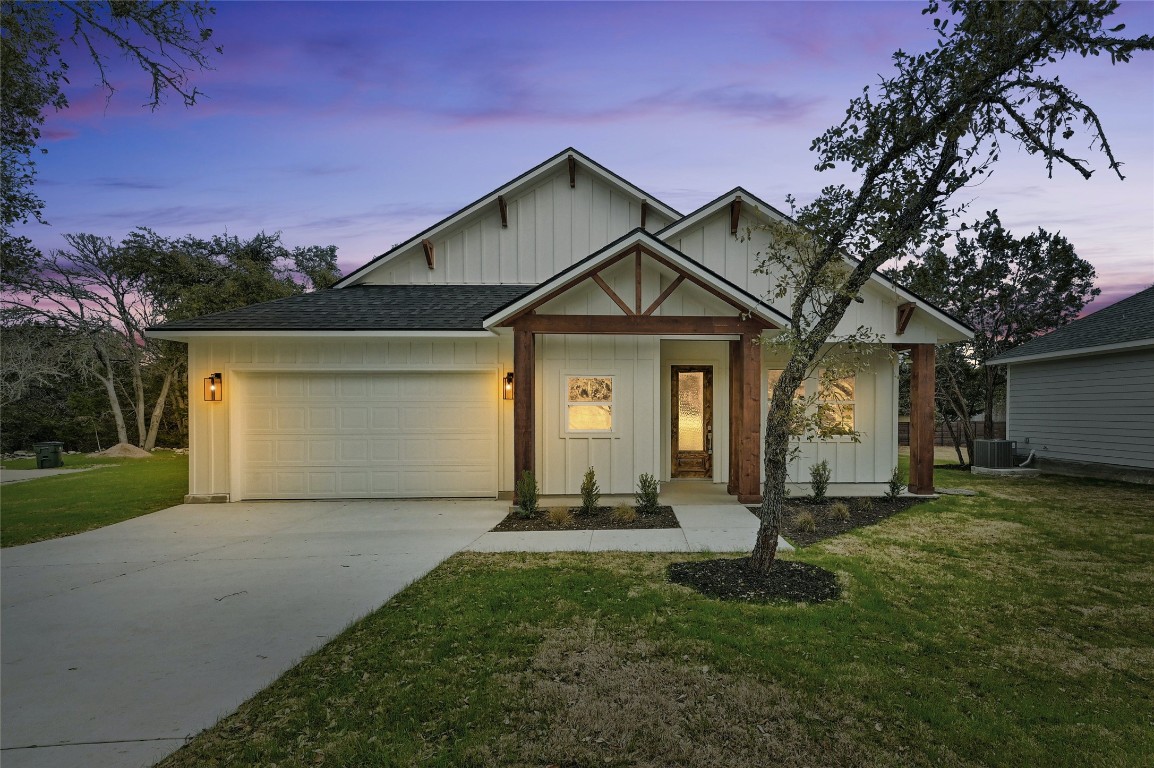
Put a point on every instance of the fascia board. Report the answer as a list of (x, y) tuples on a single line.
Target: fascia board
[(186, 336), (1101, 349)]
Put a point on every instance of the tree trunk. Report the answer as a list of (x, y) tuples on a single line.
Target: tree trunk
[(777, 433), (113, 401), (991, 379), (956, 438), (158, 412), (180, 413), (138, 399)]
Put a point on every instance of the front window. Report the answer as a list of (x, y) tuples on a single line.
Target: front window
[(836, 406), (589, 403)]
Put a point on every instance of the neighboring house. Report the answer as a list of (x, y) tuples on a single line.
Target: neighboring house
[(567, 319), (1082, 398)]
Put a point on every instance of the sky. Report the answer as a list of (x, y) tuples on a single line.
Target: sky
[(359, 124)]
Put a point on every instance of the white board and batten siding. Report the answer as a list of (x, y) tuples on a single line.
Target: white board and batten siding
[(551, 227), (352, 418), (1097, 409)]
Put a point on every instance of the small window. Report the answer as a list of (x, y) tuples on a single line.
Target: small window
[(836, 407), (589, 403)]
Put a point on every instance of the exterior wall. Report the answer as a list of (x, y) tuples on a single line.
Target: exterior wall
[(859, 468), (551, 226), (1096, 409), (735, 258), (213, 427), (632, 447)]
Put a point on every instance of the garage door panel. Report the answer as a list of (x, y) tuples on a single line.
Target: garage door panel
[(364, 435)]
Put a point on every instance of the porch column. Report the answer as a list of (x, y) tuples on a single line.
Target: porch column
[(922, 381), (736, 380), (749, 478), (523, 390)]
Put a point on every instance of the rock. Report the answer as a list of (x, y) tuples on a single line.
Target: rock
[(955, 492)]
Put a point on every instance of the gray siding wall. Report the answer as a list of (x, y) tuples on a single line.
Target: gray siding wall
[(1095, 409)]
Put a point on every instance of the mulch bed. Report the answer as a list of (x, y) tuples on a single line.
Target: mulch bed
[(601, 520), (862, 512), (733, 579)]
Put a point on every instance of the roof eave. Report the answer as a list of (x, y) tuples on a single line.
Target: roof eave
[(1100, 349)]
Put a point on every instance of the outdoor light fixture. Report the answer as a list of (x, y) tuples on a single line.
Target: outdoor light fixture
[(507, 386), (214, 388)]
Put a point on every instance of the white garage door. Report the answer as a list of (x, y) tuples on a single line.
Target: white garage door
[(364, 435)]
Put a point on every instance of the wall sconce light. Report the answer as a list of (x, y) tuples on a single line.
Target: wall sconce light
[(507, 387), (214, 388)]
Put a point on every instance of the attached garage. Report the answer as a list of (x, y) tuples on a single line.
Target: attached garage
[(366, 435)]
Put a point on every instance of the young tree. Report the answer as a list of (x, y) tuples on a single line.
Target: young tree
[(1008, 289), (932, 128), (168, 40)]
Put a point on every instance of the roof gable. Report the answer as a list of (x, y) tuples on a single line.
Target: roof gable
[(642, 243), (1128, 324), (566, 162)]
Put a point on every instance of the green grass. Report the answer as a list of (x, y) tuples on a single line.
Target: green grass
[(61, 505), (1009, 629)]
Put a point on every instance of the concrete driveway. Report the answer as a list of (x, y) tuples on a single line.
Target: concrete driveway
[(119, 643)]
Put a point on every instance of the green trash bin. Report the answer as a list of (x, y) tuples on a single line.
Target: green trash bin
[(49, 455)]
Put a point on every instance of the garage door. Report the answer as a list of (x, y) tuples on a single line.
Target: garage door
[(366, 435)]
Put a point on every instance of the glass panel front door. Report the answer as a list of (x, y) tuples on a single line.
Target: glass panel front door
[(691, 390)]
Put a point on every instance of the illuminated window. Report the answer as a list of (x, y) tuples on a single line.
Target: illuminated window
[(589, 403), (797, 425), (836, 407)]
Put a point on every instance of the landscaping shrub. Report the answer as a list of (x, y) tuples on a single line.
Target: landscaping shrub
[(559, 516), (897, 484), (839, 510), (590, 492), (646, 495), (819, 479), (623, 513), (528, 496), (805, 521)]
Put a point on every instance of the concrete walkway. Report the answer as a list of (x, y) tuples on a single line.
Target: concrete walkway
[(17, 475)]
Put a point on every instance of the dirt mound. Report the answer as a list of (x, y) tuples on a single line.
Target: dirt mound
[(124, 451)]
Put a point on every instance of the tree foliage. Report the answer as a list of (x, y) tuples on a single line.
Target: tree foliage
[(168, 40), (932, 128), (103, 295), (1009, 290)]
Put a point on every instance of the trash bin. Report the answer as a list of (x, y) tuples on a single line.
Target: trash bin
[(49, 455)]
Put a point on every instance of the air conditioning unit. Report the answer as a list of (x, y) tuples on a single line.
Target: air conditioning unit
[(995, 454)]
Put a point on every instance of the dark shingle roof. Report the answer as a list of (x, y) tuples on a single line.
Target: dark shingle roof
[(365, 308), (1130, 320)]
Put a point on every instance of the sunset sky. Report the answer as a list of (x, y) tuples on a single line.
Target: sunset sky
[(359, 124)]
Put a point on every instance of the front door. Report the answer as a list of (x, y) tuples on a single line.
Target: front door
[(692, 428)]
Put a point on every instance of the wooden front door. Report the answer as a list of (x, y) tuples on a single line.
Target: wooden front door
[(692, 416)]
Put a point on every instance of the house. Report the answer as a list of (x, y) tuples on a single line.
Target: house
[(567, 319), (1081, 398)]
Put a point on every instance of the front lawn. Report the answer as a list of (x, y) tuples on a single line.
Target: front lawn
[(116, 490), (1013, 628)]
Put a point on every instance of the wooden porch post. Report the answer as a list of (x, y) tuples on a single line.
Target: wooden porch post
[(922, 381), (735, 432), (523, 389), (749, 479)]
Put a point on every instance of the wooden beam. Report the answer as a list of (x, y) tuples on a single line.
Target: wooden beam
[(637, 287), (612, 294), (734, 215), (644, 212), (427, 246), (524, 447), (699, 283), (905, 312), (922, 380), (665, 295), (565, 287), (735, 432), (572, 172), (749, 478), (504, 208), (637, 324)]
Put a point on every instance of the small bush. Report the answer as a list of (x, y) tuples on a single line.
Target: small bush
[(897, 484), (805, 521), (528, 496), (838, 511), (866, 505), (646, 495), (562, 516), (590, 492), (623, 513), (819, 479)]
